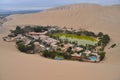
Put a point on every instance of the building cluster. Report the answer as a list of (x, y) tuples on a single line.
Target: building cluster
[(43, 42)]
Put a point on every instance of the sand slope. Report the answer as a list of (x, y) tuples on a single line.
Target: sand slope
[(89, 16), (15, 65)]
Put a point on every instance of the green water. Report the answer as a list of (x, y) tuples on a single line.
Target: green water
[(82, 40)]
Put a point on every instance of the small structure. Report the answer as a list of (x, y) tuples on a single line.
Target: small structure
[(76, 56), (37, 47), (87, 52), (77, 49), (37, 33)]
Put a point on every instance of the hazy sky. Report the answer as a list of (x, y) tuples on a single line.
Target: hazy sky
[(43, 4)]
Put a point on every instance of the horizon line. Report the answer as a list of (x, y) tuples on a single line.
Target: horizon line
[(43, 8)]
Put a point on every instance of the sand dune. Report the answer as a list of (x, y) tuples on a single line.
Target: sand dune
[(15, 65), (89, 16)]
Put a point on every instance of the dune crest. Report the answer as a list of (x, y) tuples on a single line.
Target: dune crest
[(90, 16)]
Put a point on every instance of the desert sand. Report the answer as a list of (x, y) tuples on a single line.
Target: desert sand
[(15, 65)]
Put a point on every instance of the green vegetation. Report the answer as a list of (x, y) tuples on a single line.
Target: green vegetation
[(40, 29), (100, 34), (75, 36), (25, 48), (113, 45), (102, 55), (48, 54), (104, 40), (18, 31), (60, 43), (55, 54), (52, 54)]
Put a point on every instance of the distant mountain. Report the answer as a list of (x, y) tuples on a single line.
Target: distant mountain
[(5, 13), (18, 12)]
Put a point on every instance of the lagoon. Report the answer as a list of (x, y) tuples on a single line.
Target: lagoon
[(81, 40)]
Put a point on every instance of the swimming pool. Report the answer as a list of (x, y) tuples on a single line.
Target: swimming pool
[(58, 58), (93, 58)]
